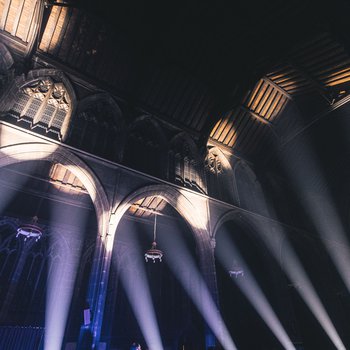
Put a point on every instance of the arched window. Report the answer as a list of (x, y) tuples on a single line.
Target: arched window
[(184, 165), (98, 128), (43, 105)]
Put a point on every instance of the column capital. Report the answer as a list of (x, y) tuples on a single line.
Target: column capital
[(212, 242)]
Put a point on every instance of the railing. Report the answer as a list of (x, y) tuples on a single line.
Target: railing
[(21, 338)]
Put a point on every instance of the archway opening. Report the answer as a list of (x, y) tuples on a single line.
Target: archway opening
[(44, 282), (169, 310)]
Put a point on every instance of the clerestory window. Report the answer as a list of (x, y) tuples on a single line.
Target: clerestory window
[(43, 105)]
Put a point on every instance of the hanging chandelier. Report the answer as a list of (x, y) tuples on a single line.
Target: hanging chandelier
[(236, 270), (30, 230), (154, 254)]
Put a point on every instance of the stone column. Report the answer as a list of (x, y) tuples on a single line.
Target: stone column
[(207, 265)]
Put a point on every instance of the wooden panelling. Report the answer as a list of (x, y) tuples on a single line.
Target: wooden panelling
[(147, 206), (244, 127), (18, 18)]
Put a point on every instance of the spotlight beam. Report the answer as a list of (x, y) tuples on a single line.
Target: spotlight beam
[(66, 250), (253, 292), (319, 204), (12, 181), (296, 273), (180, 261), (138, 293), (327, 223)]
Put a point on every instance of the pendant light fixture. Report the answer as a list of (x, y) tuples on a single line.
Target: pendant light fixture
[(236, 270), (29, 231), (154, 254)]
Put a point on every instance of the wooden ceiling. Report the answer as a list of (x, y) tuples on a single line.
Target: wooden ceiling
[(230, 73), (149, 206), (314, 75), (51, 180)]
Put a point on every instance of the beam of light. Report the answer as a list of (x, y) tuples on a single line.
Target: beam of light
[(134, 278), (252, 291), (22, 151), (303, 170), (296, 273), (11, 181), (63, 266), (183, 266), (193, 208)]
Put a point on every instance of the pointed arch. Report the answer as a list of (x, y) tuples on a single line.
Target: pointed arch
[(177, 200), (192, 216), (98, 127), (41, 151), (43, 101)]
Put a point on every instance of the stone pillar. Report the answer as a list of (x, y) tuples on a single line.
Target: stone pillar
[(96, 295), (207, 265)]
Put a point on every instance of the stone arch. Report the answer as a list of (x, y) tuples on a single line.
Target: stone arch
[(244, 220), (177, 200), (187, 211), (251, 254), (98, 127), (40, 151), (43, 100)]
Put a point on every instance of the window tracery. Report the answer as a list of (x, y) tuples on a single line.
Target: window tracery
[(43, 104), (24, 269), (184, 166)]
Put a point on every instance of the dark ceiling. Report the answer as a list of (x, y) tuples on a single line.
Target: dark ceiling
[(221, 42), (246, 76)]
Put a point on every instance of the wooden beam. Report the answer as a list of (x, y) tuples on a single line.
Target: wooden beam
[(17, 19), (314, 82), (257, 116), (5, 13), (277, 87), (149, 210)]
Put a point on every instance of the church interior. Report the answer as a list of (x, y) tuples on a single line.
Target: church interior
[(174, 175)]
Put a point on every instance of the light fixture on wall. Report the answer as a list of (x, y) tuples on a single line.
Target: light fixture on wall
[(31, 230), (154, 254), (236, 270)]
